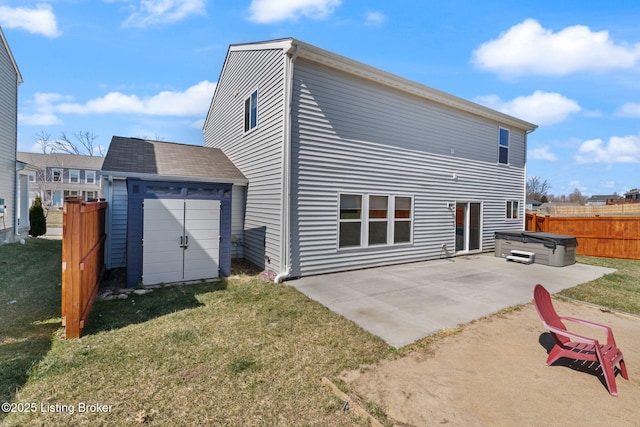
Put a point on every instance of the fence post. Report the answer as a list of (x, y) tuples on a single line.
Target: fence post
[(71, 275)]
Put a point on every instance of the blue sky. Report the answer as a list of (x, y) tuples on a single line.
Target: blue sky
[(148, 68)]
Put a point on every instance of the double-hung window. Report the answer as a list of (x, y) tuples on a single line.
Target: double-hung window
[(56, 175), (512, 209), (251, 111), (374, 220), (90, 177), (74, 176), (503, 146)]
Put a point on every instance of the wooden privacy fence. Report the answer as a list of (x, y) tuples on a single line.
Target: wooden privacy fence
[(611, 236), (83, 236)]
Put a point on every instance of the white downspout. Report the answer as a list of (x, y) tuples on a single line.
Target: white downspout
[(285, 270)]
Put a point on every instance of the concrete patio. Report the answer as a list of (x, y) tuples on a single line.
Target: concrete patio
[(406, 302)]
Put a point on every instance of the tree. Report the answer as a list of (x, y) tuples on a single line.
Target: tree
[(537, 188), (83, 143), (577, 197), (36, 219)]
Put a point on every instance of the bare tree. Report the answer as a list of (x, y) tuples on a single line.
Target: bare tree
[(577, 197), (83, 143), (537, 187), (43, 140)]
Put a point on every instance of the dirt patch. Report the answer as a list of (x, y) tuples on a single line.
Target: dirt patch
[(494, 373)]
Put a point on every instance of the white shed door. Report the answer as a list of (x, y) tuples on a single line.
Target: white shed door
[(202, 229), (181, 240)]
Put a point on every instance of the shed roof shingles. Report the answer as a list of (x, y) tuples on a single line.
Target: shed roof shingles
[(141, 156)]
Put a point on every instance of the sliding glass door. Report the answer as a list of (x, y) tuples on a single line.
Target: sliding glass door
[(468, 226)]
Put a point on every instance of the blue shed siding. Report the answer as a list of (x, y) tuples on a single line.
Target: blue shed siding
[(137, 194)]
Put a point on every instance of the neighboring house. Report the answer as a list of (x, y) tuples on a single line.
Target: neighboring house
[(350, 166), (59, 175), (633, 194), (532, 204), (10, 79), (170, 210), (600, 199)]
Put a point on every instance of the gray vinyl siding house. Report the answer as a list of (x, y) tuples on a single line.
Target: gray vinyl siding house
[(10, 79), (352, 167)]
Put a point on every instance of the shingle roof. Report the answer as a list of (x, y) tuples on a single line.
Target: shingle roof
[(60, 160), (142, 157)]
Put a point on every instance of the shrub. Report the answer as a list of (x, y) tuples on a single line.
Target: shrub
[(36, 219)]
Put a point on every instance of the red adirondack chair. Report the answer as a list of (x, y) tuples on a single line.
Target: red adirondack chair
[(578, 347)]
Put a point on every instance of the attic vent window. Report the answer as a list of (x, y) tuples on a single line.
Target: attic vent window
[(251, 111)]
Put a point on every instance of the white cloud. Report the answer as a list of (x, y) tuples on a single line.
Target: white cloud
[(542, 153), (38, 20), (624, 149), (270, 11), (541, 108), (630, 109), (39, 119), (151, 12), (374, 18), (528, 48), (190, 103)]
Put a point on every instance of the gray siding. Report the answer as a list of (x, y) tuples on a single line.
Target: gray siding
[(8, 139), (349, 135), (258, 153), (238, 193), (116, 195)]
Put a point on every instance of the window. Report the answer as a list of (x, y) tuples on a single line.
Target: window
[(503, 146), (402, 220), (512, 209), (374, 220), (32, 176), (90, 177), (378, 220), (251, 111), (74, 176), (350, 220), (56, 175)]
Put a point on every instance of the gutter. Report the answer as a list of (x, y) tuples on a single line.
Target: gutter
[(290, 56)]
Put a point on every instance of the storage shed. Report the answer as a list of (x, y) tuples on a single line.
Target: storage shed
[(169, 216)]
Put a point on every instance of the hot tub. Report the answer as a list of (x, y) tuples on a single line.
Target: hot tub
[(552, 249)]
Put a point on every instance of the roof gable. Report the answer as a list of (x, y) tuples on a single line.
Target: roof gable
[(13, 61), (296, 48), (135, 157)]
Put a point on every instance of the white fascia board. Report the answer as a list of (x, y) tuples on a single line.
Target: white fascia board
[(174, 178), (351, 66), (13, 61)]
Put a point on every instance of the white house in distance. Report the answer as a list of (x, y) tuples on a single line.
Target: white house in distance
[(349, 166), (10, 79)]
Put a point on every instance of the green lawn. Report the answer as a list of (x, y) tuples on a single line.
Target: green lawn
[(231, 352)]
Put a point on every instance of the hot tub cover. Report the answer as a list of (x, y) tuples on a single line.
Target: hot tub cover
[(549, 240)]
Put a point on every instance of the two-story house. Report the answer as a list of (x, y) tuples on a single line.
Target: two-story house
[(60, 175), (350, 166), (319, 163), (10, 79)]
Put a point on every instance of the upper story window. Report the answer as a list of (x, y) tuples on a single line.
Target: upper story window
[(90, 177), (251, 111), (56, 175), (32, 176), (503, 146), (74, 176)]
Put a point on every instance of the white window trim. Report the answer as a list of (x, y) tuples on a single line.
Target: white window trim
[(53, 172), (244, 103), (87, 174), (365, 220), (509, 212), (508, 146), (71, 173)]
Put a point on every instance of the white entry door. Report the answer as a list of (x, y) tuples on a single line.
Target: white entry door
[(181, 240)]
